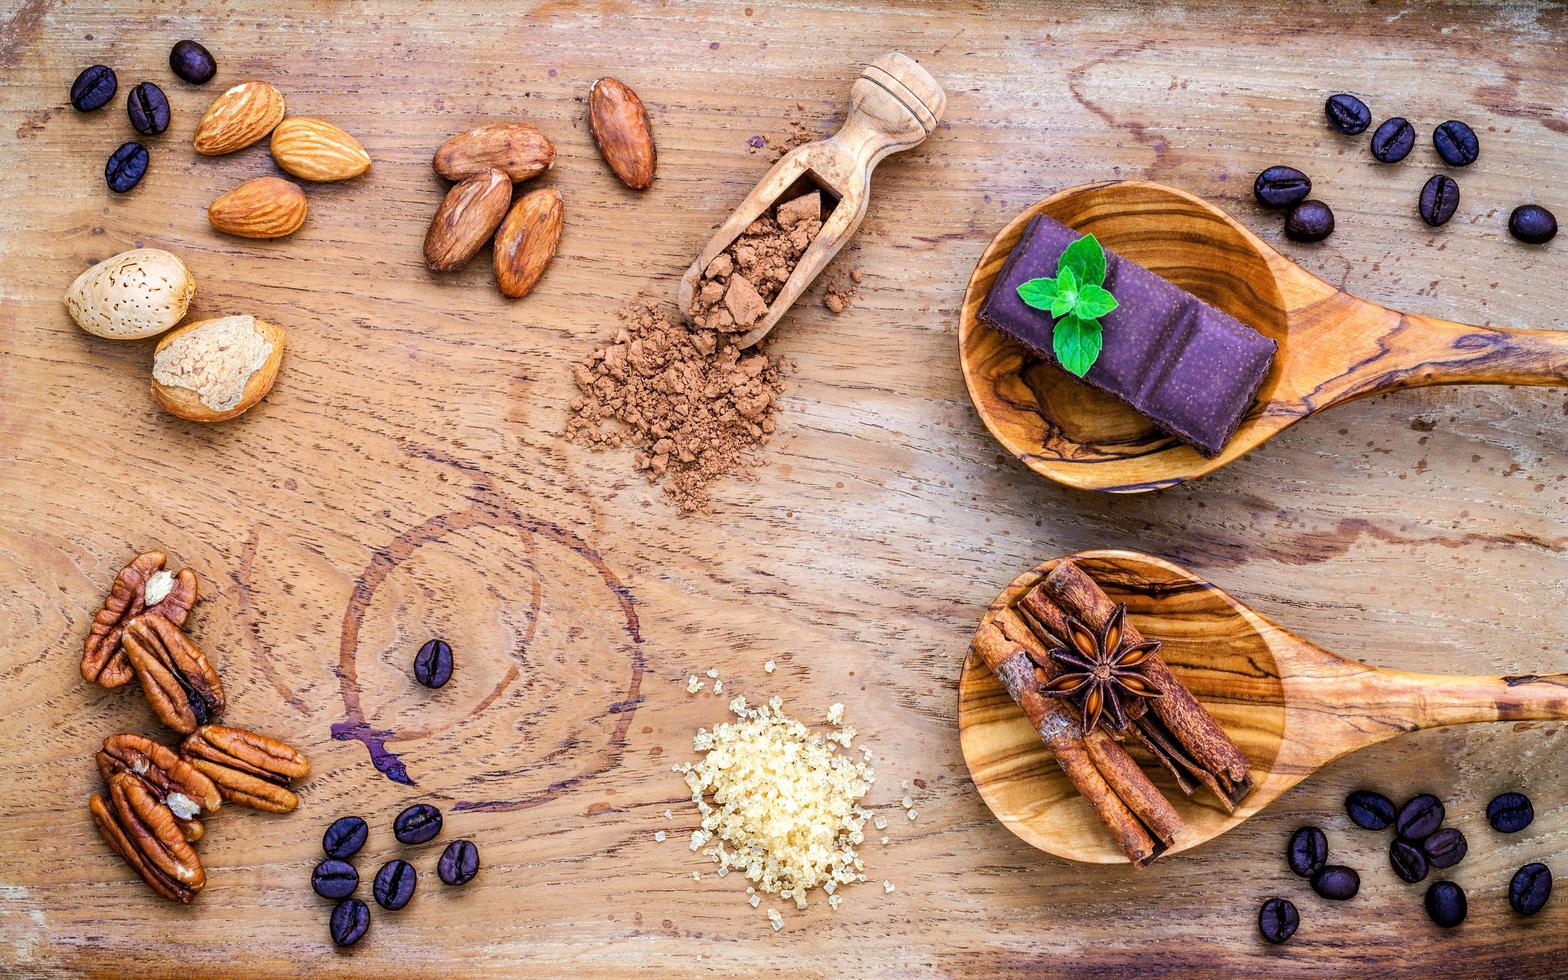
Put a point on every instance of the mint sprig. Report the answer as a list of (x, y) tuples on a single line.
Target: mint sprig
[(1076, 298)]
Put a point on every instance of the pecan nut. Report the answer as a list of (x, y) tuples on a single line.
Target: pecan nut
[(144, 579), (176, 783), (144, 832), (179, 682), (250, 769)]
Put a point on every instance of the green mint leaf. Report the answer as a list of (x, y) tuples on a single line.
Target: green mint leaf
[(1063, 305), (1086, 259), (1039, 293), (1093, 302), (1076, 342)]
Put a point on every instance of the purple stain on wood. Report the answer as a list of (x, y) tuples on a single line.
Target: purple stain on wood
[(552, 73), (757, 142), (713, 46), (387, 763)]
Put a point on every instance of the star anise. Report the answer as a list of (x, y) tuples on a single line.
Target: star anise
[(1099, 672)]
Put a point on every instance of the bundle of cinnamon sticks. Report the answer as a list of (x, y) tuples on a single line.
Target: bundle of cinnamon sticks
[(1175, 729)]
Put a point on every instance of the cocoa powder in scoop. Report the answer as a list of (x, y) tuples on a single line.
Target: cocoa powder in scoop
[(738, 286)]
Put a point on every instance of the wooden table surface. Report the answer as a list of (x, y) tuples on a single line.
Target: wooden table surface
[(407, 478)]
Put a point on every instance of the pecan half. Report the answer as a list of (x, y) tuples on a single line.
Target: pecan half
[(176, 783), (172, 595), (249, 769), (179, 683), (144, 833)]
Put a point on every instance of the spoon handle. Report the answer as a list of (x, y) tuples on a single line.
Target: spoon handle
[(1423, 350), (1414, 701)]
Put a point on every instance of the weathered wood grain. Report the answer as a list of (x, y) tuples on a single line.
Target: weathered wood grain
[(406, 478)]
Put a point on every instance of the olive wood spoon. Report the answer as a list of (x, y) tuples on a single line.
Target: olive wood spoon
[(1293, 707), (1333, 347), (894, 105)]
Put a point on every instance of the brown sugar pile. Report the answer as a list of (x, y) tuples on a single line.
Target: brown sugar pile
[(693, 405), (744, 279)]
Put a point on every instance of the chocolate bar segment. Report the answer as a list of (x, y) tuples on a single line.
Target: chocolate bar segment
[(1189, 368)]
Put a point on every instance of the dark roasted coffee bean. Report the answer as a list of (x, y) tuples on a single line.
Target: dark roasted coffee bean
[(433, 663), (1309, 221), (1307, 851), (93, 88), (1347, 114), (345, 837), (350, 920), (1393, 140), (1509, 813), (1446, 904), (192, 62), (1278, 919), (334, 879), (1445, 848), (417, 824), (148, 108), (1532, 224), (1439, 200), (1369, 810), (1336, 882), (1408, 861), (1531, 887), (459, 862), (126, 167), (1456, 143), (395, 884), (1280, 187), (1419, 817)]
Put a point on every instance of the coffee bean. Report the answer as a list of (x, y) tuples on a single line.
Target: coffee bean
[(1445, 848), (334, 879), (1456, 143), (433, 663), (1347, 114), (395, 884), (1419, 817), (417, 824), (1509, 813), (1307, 851), (1407, 860), (1393, 140), (1439, 200), (1369, 810), (1532, 224), (1278, 919), (1446, 904), (148, 109), (459, 863), (345, 837), (192, 62), (93, 88), (1280, 187), (1531, 887), (126, 167), (350, 920), (1336, 882), (1309, 221)]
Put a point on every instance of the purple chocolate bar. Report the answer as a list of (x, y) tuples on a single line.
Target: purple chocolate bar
[(1189, 368)]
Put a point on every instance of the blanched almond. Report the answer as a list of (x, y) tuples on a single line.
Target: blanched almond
[(516, 148), (312, 149), (466, 219), (622, 132), (212, 370), (239, 117), (525, 243), (264, 207)]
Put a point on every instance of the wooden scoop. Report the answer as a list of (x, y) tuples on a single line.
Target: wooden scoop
[(894, 105), (1291, 706), (1333, 347)]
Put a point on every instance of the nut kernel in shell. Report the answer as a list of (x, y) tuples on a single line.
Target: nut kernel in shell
[(213, 370)]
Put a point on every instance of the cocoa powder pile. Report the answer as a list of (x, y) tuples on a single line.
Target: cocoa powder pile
[(738, 286)]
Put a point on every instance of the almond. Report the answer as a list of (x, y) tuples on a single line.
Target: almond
[(265, 207), (525, 243), (212, 370), (622, 132), (311, 149), (239, 117), (466, 219), (518, 149), (136, 294)]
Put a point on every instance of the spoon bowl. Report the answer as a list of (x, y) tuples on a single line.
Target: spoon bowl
[(1291, 706)]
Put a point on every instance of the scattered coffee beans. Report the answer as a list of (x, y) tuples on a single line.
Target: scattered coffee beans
[(1309, 221), (1456, 143), (1419, 817), (93, 88), (433, 663), (1439, 200), (417, 824), (1307, 851), (1280, 187), (1531, 887), (1532, 224), (1369, 810), (459, 862), (1446, 904), (126, 167), (1509, 813), (395, 884), (192, 62), (148, 108), (1393, 140), (345, 837), (1408, 861), (1347, 114), (1278, 919), (334, 879), (1445, 848), (1337, 882), (350, 920)]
